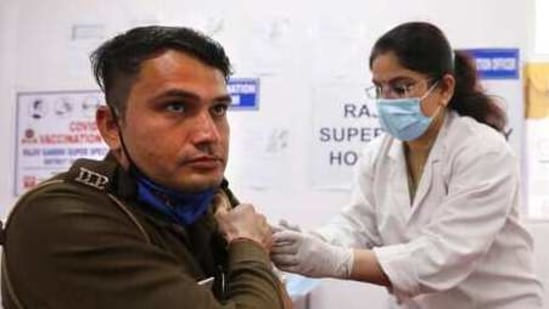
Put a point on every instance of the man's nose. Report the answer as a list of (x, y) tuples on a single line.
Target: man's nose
[(205, 128)]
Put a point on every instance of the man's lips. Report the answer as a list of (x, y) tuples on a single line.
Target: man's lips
[(204, 162)]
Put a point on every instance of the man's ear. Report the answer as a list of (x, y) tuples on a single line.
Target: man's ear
[(108, 127)]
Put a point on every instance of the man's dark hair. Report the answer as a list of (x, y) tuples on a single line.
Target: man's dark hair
[(116, 63)]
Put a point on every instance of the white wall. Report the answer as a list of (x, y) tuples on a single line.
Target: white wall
[(293, 46), (8, 15), (321, 43)]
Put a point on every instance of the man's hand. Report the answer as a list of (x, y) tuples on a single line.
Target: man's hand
[(308, 255), (243, 222)]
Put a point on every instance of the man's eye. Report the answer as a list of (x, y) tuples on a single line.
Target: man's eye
[(175, 107), (220, 109)]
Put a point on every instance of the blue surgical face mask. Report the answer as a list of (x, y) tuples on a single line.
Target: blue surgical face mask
[(182, 208), (403, 118)]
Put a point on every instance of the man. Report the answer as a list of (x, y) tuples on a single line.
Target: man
[(153, 224)]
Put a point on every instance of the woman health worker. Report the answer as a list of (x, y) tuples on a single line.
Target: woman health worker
[(434, 210)]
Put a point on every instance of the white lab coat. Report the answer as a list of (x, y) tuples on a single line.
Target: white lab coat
[(460, 244)]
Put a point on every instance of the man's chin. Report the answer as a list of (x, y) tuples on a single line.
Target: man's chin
[(197, 184)]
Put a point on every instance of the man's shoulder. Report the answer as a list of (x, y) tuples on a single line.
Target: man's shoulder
[(84, 185), (92, 174), (75, 202), (84, 175)]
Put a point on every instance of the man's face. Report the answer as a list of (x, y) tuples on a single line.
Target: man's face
[(175, 126)]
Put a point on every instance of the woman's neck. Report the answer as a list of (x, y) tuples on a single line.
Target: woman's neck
[(426, 141)]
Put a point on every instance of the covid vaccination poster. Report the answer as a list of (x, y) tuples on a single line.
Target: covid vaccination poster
[(53, 130)]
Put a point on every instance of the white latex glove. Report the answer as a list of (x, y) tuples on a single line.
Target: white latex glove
[(285, 224), (305, 254)]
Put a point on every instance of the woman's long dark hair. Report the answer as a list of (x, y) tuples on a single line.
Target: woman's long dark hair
[(423, 48)]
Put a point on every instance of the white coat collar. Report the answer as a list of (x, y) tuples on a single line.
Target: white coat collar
[(396, 154)]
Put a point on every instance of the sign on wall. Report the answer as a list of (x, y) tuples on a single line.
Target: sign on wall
[(344, 122), (244, 93), (53, 130), (536, 79), (496, 63), (499, 73)]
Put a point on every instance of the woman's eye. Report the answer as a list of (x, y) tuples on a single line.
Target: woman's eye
[(220, 109), (400, 89)]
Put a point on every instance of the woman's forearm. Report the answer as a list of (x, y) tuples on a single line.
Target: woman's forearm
[(366, 268)]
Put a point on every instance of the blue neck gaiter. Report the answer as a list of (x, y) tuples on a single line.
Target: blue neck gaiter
[(180, 208)]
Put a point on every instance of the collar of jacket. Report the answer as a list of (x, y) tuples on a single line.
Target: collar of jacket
[(109, 176)]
